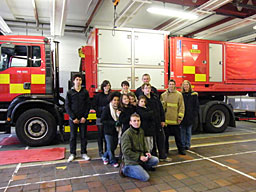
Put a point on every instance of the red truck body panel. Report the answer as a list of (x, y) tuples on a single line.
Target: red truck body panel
[(189, 60)]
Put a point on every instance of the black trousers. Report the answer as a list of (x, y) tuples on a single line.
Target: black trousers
[(73, 135), (175, 131), (101, 140), (159, 143)]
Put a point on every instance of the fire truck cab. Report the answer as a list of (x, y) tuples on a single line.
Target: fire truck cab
[(29, 89)]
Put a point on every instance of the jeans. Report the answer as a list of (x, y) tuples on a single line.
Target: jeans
[(109, 155), (186, 132), (138, 172), (173, 130), (73, 135)]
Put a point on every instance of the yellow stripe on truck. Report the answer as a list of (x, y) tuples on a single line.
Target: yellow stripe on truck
[(67, 129), (91, 116), (189, 69), (37, 79), (18, 88), (200, 77), (4, 78)]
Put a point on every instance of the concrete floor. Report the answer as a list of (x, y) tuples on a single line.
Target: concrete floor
[(215, 163)]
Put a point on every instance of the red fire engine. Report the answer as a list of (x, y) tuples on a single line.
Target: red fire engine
[(29, 86), (215, 69)]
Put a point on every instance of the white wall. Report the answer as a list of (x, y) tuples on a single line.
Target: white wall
[(68, 52), (68, 55)]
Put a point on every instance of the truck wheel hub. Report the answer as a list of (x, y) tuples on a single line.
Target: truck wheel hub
[(218, 119), (36, 128)]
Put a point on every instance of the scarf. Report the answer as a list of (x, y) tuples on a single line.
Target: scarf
[(115, 116), (113, 112)]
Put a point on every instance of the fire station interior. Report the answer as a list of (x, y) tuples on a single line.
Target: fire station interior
[(94, 38)]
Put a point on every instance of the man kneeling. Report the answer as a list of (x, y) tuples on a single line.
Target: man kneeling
[(136, 156)]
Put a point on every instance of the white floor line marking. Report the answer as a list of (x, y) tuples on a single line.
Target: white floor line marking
[(203, 158), (15, 171), (223, 165), (222, 143), (162, 165), (172, 148), (63, 179), (249, 131)]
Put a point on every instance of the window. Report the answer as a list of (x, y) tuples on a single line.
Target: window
[(20, 56), (35, 59)]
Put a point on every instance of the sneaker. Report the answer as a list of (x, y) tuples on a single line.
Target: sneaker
[(187, 148), (71, 158), (86, 157), (167, 159), (121, 173), (105, 162), (115, 165)]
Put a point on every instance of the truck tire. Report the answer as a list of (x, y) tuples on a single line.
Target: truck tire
[(217, 119), (36, 127)]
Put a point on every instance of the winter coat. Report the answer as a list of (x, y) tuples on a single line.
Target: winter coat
[(77, 104), (191, 107), (100, 101), (133, 146), (108, 122), (154, 103), (173, 105), (147, 120), (125, 115)]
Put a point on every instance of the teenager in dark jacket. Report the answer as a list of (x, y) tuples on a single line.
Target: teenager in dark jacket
[(154, 103), (147, 121), (191, 112), (77, 105), (100, 101), (145, 79), (126, 111), (109, 118)]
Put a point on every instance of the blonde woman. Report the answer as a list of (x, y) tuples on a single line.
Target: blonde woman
[(191, 112)]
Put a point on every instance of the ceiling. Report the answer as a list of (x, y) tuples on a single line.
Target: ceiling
[(226, 20)]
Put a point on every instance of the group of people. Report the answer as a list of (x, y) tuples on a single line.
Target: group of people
[(139, 122)]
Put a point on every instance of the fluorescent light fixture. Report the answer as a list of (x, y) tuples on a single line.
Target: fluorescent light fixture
[(4, 27), (172, 13)]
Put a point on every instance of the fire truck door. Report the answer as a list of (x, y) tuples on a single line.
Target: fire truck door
[(15, 73), (194, 61), (215, 62), (37, 69)]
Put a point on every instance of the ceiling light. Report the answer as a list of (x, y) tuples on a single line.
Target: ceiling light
[(254, 27), (4, 27), (172, 13)]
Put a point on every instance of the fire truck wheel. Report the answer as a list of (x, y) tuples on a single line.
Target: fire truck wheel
[(36, 127), (217, 119)]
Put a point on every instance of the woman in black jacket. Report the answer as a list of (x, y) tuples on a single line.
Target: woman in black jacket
[(126, 111), (109, 118), (99, 103), (147, 121), (191, 112)]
